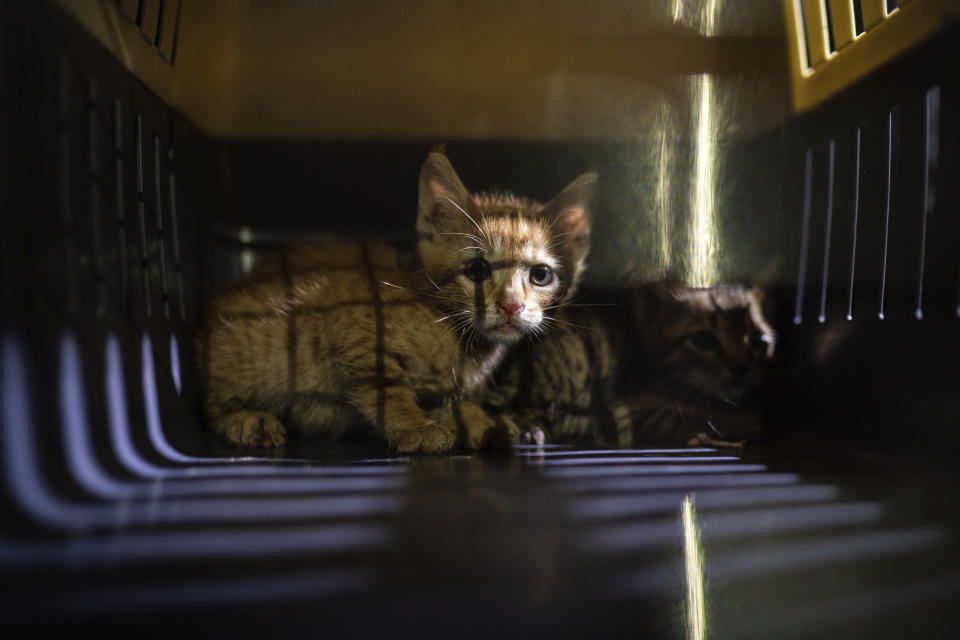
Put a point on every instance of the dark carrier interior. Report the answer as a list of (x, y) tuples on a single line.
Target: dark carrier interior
[(153, 151)]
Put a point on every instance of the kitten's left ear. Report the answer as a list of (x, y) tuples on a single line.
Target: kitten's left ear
[(445, 204), (568, 215)]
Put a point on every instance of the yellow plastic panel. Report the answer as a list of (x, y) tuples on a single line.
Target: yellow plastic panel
[(110, 23), (874, 11), (816, 29), (168, 30), (543, 69), (129, 9), (150, 20), (841, 14), (884, 37)]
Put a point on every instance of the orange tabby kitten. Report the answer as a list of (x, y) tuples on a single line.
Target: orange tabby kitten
[(331, 337)]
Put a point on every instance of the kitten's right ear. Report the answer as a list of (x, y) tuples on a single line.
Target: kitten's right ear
[(445, 204), (655, 301), (568, 214)]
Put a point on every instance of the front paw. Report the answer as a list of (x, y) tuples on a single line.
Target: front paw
[(428, 438), (487, 432), (534, 435), (250, 429)]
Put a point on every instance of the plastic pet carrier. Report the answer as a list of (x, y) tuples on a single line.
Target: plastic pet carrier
[(153, 150)]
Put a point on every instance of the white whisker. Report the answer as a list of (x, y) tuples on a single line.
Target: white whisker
[(452, 328), (466, 214), (555, 220), (431, 280), (465, 235), (447, 317)]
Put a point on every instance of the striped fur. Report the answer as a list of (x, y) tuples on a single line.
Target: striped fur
[(671, 364), (340, 336), (563, 386)]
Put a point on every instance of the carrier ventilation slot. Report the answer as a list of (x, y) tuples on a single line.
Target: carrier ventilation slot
[(895, 216), (826, 40), (117, 203), (158, 21), (828, 26), (65, 151)]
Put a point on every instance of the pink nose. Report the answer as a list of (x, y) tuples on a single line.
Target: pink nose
[(511, 308)]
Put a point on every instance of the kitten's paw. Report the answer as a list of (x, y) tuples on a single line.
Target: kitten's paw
[(504, 434), (535, 436), (704, 440), (623, 419), (429, 438), (486, 432), (252, 429)]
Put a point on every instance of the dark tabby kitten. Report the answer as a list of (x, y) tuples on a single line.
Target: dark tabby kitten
[(562, 386), (699, 371), (676, 364)]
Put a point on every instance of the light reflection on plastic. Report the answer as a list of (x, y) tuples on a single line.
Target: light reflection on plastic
[(615, 452), (642, 470), (75, 427), (21, 463), (664, 171), (765, 560), (612, 460), (824, 550), (152, 406), (83, 466), (693, 560), (29, 487), (652, 502), (175, 362), (722, 525), (118, 416), (535, 447), (703, 222), (19, 453), (641, 484)]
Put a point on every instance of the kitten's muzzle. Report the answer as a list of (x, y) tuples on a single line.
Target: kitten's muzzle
[(510, 325), (511, 308), (506, 331)]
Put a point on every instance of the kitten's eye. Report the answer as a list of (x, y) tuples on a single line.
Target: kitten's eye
[(541, 275), (704, 340), (477, 270)]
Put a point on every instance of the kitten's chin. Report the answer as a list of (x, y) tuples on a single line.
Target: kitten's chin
[(504, 334)]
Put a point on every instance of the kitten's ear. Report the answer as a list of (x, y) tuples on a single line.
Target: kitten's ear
[(569, 215), (570, 211), (445, 203), (654, 301)]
